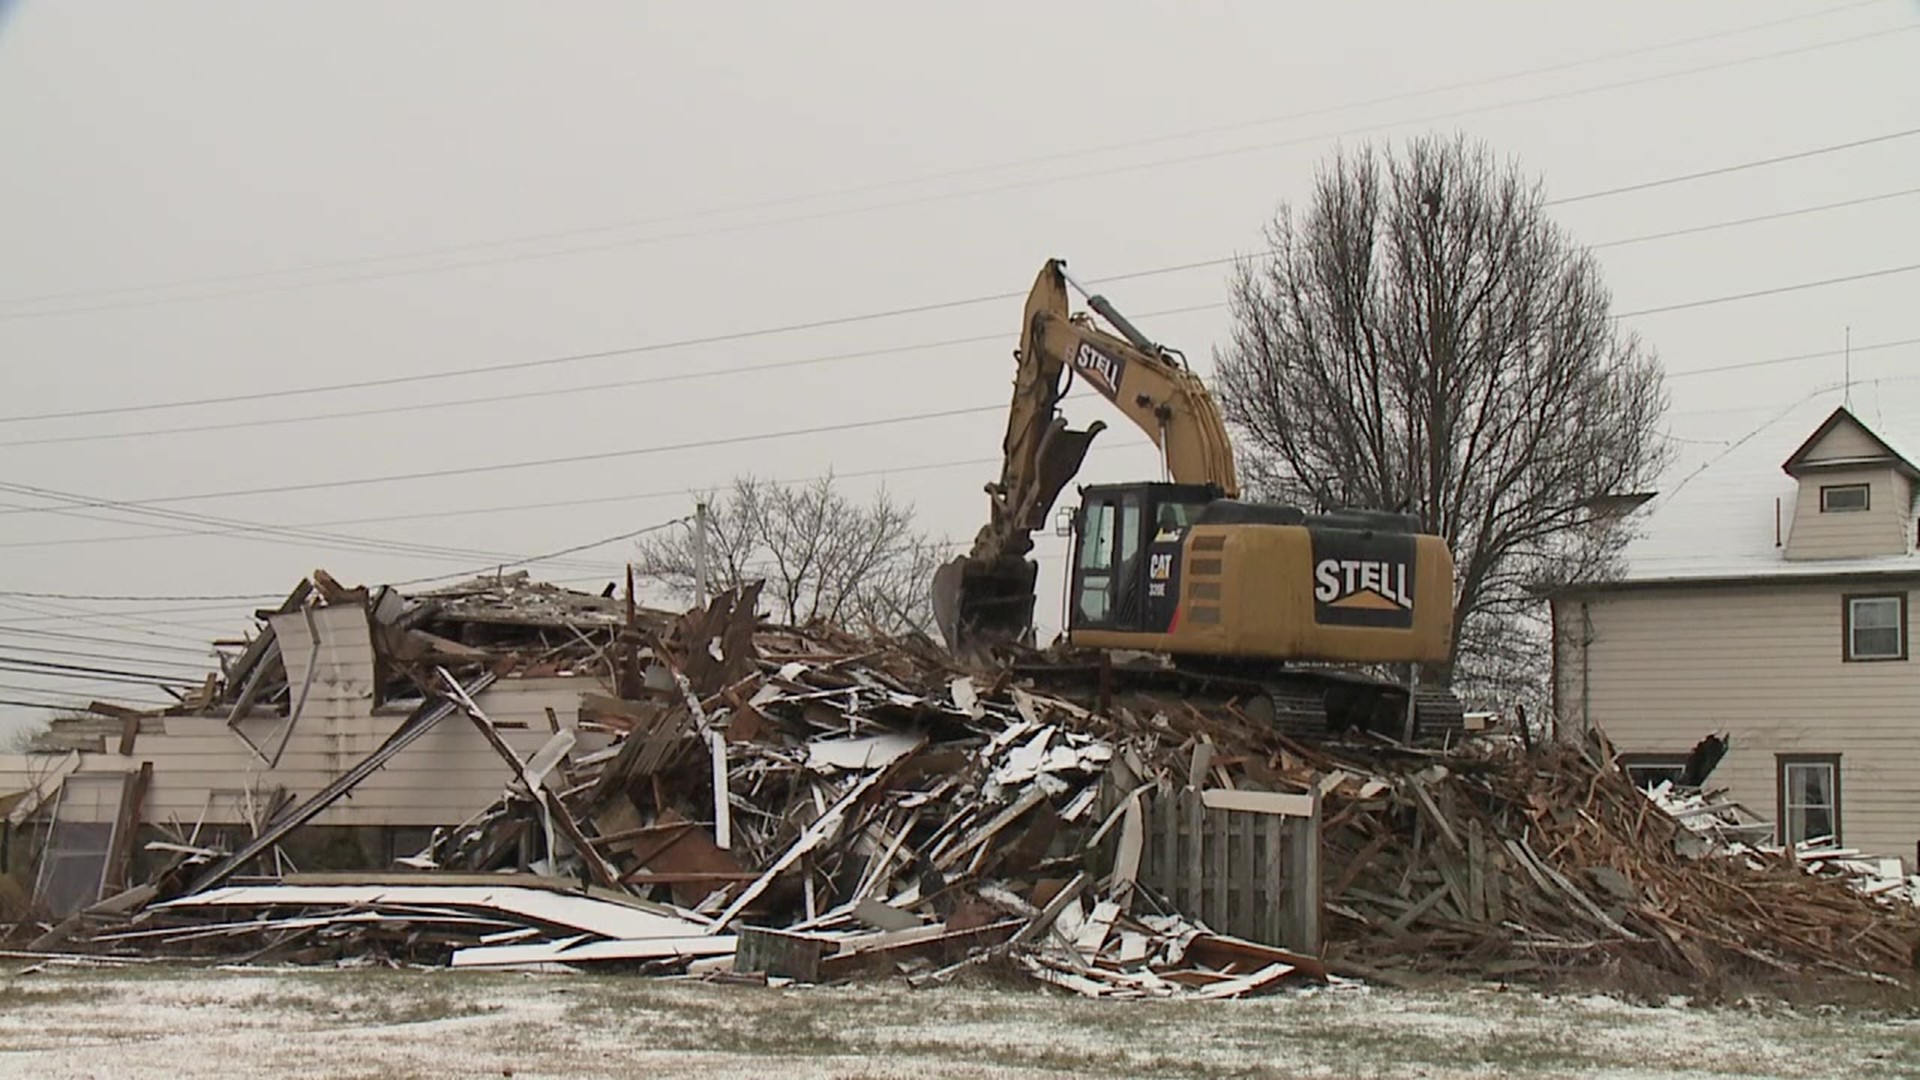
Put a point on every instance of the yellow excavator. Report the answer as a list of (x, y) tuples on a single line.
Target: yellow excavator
[(1296, 613)]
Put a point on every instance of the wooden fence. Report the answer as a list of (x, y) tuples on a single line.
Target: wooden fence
[(1246, 863)]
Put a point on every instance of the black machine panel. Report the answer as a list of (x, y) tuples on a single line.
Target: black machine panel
[(1362, 578)]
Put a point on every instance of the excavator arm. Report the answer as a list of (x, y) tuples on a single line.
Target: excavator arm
[(986, 596)]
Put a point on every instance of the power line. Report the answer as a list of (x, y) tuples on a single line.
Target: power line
[(994, 189), (205, 650), (708, 373), (1748, 364), (549, 555), (76, 702), (1691, 230), (705, 373), (89, 654), (1725, 169), (143, 599), (570, 459), (139, 505), (275, 534), (49, 665), (940, 175), (797, 327), (1908, 269)]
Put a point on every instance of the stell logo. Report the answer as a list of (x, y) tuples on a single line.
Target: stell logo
[(1362, 583), (1362, 579), (1103, 371)]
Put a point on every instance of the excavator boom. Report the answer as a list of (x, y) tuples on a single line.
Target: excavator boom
[(986, 596)]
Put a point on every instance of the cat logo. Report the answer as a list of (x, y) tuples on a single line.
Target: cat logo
[(1103, 371), (1363, 579)]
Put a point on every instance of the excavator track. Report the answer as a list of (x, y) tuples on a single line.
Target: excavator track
[(1302, 703)]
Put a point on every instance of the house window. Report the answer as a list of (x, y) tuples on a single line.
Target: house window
[(1876, 627), (1841, 498), (1647, 771), (1809, 788)]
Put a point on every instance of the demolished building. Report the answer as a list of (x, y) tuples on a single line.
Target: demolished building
[(325, 679), (705, 793)]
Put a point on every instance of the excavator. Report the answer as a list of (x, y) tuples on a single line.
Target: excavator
[(1295, 614)]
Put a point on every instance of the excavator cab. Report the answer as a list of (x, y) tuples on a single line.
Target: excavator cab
[(1126, 554)]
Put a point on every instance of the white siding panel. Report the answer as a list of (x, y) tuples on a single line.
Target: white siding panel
[(1846, 441), (1665, 667), (1881, 529), (445, 776)]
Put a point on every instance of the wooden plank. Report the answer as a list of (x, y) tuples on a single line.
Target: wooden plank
[(1272, 847), (1259, 802), (126, 827), (1476, 873), (1193, 817), (722, 811), (1068, 894), (129, 731), (1126, 870), (1217, 886), (1305, 885), (1246, 876)]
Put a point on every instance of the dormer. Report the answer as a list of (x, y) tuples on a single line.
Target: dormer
[(1856, 494)]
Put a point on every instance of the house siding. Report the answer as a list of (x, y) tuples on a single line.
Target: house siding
[(1881, 529), (203, 771), (1846, 442), (1658, 668)]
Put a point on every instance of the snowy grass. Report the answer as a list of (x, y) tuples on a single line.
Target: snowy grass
[(372, 1022)]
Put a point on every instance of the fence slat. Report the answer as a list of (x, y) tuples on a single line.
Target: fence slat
[(1243, 872)]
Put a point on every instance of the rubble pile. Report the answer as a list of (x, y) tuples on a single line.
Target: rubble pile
[(773, 803), (1721, 826), (1507, 863), (790, 803)]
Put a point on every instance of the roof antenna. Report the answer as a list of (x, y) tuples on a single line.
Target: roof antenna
[(1849, 369)]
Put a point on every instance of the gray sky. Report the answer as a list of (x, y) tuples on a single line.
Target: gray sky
[(209, 199)]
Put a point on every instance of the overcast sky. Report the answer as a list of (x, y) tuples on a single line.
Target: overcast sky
[(205, 200)]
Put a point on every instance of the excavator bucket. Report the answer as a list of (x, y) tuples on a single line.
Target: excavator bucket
[(985, 598), (980, 603)]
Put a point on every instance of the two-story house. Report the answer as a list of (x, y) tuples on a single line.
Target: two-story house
[(1767, 596)]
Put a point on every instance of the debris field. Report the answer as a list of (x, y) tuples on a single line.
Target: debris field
[(779, 803)]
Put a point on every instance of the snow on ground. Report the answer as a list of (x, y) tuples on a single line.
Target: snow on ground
[(162, 1023)]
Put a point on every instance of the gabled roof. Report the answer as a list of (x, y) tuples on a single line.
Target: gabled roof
[(1723, 505), (1799, 461)]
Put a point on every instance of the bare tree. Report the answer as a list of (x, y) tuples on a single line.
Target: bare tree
[(1422, 337), (821, 555)]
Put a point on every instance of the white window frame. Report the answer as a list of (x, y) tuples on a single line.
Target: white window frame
[(1852, 605), (1828, 490), (1824, 763)]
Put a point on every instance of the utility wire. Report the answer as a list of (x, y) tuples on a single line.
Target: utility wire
[(275, 534), (122, 596), (570, 459), (651, 380), (1725, 169), (88, 654), (733, 440), (709, 373), (815, 324), (815, 196), (1687, 305), (975, 192), (1777, 360), (1718, 225), (49, 665), (205, 650)]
